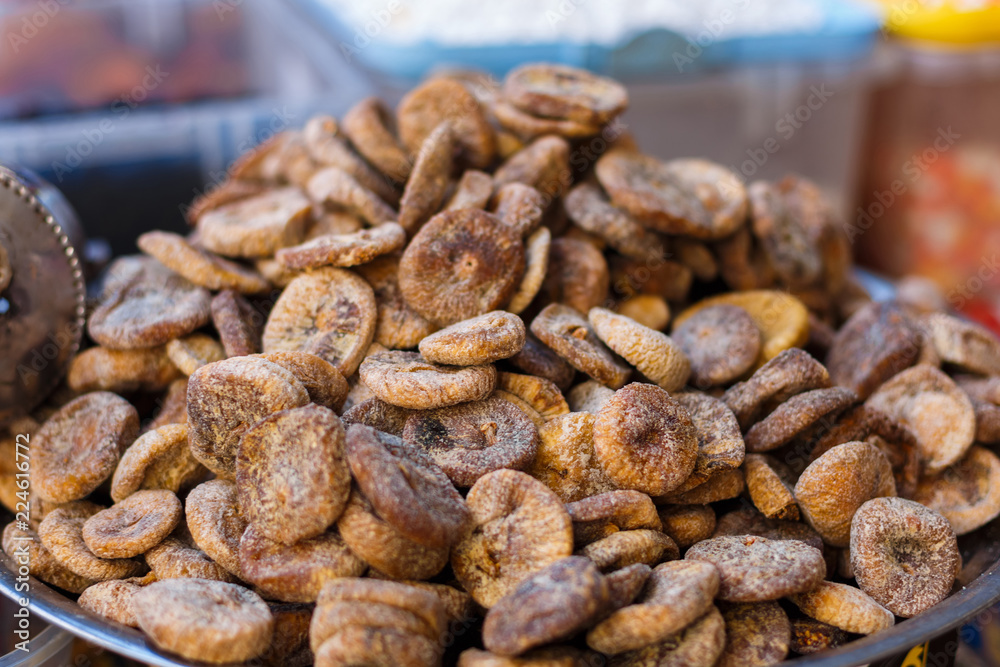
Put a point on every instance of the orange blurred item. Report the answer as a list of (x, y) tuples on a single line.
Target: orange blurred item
[(929, 201)]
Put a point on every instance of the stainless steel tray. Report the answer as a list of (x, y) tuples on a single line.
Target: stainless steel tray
[(981, 576), (981, 552)]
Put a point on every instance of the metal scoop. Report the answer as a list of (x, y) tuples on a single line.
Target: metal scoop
[(42, 292)]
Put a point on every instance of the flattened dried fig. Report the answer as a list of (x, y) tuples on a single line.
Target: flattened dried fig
[(428, 182), (78, 447), (877, 342), (461, 264), (384, 547), (297, 572), (61, 533), (256, 226), (538, 359), (174, 558), (687, 524), (653, 354), (101, 369), (536, 266), (470, 440), (480, 340), (559, 91), (112, 600), (324, 383), (350, 249), (836, 484), (720, 445), (518, 527), (589, 396), (406, 488), (407, 380), (720, 486), (526, 126), (904, 555), (159, 459), (698, 645), (628, 547), (370, 127), (203, 620), (134, 525), (748, 521), (337, 188), (577, 274), (398, 326), (292, 474), (844, 607), (967, 493), (605, 513), (797, 416), (437, 100), (756, 569), (689, 196), (543, 164), (590, 210), (969, 346), (934, 408), (24, 547), (551, 605), (215, 522), (145, 304), (227, 397), (781, 319), (790, 373), (565, 460), (327, 312), (200, 266), (645, 440), (571, 337), (646, 309), (379, 415), (473, 190), (722, 342), (520, 206), (237, 323), (769, 489)]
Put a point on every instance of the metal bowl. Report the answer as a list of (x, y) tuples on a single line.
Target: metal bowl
[(978, 589)]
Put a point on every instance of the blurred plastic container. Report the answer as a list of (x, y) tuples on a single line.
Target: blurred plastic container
[(929, 202), (132, 164), (730, 87)]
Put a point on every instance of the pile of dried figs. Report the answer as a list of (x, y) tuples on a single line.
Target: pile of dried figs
[(475, 381)]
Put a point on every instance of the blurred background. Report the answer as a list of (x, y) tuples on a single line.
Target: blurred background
[(134, 107)]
